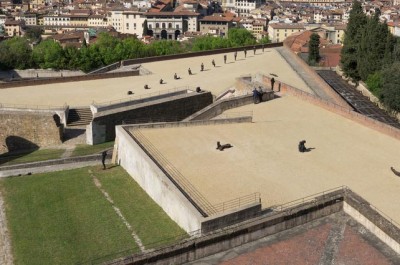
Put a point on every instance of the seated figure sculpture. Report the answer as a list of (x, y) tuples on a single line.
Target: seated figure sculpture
[(302, 147)]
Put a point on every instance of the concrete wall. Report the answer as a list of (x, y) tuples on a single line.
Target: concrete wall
[(142, 99), (370, 218), (231, 217), (174, 108), (28, 129), (219, 107), (153, 180)]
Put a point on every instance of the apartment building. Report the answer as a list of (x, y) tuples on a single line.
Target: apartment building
[(170, 25), (216, 25), (277, 32)]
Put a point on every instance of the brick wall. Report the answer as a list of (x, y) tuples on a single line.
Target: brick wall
[(27, 130)]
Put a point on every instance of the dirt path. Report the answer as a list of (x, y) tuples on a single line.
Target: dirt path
[(6, 257)]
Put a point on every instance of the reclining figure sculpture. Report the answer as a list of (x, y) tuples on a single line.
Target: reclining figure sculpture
[(223, 146)]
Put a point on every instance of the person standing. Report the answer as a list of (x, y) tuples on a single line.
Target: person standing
[(103, 159)]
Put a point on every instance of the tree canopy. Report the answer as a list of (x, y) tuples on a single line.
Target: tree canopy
[(313, 49)]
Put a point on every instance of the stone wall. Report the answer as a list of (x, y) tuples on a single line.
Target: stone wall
[(27, 129), (175, 108)]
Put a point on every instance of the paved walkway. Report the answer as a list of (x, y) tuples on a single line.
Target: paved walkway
[(215, 79)]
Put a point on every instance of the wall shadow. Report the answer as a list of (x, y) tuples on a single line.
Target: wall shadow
[(17, 147)]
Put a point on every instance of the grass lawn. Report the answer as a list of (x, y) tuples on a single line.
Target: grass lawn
[(30, 156), (84, 149), (63, 218)]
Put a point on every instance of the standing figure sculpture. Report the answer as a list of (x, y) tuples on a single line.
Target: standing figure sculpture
[(190, 71), (225, 58), (213, 62), (302, 147), (235, 55), (245, 53), (272, 83), (202, 67)]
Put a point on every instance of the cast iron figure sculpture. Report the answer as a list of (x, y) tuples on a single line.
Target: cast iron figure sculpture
[(103, 159), (397, 173), (223, 146), (254, 50), (161, 81), (263, 47), (190, 71), (256, 96), (146, 87), (198, 89), (235, 55), (272, 83), (245, 53), (213, 62), (202, 67), (302, 147), (130, 92), (176, 77), (225, 58)]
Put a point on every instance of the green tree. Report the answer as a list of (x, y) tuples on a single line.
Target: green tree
[(372, 47), (349, 54), (241, 37), (145, 28), (264, 40), (390, 90), (48, 54), (72, 58), (313, 49), (34, 34), (106, 45), (165, 47), (374, 83), (15, 53)]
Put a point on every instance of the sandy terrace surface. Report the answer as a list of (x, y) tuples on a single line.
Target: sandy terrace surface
[(265, 158), (216, 79)]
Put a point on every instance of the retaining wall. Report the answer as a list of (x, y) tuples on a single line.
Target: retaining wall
[(173, 108), (238, 235), (156, 184), (28, 129), (66, 79), (202, 53)]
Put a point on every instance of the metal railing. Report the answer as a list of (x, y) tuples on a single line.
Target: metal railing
[(133, 98), (30, 107), (231, 115), (237, 202), (187, 189), (307, 199)]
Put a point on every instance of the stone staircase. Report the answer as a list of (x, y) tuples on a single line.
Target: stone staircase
[(79, 117)]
